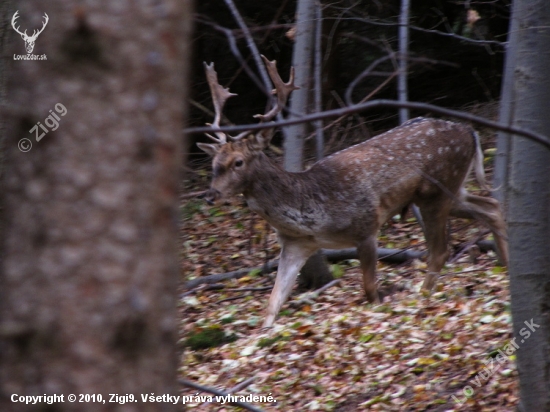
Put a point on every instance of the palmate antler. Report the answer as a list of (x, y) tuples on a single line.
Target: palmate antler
[(220, 95), (282, 90)]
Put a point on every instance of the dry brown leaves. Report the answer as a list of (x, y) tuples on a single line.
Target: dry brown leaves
[(411, 353)]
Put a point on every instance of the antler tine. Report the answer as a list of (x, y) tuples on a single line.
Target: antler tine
[(240, 135), (35, 33), (282, 90), (220, 95), (13, 23)]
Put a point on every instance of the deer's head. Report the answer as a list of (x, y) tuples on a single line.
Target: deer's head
[(29, 40), (233, 156)]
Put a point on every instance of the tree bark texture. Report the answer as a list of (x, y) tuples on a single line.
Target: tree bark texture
[(89, 252), (529, 203), (299, 100), (507, 106), (315, 272), (402, 89)]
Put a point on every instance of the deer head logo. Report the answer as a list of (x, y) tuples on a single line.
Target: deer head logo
[(29, 40)]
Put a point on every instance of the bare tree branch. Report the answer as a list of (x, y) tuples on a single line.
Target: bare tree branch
[(250, 42), (421, 29), (236, 52), (537, 137)]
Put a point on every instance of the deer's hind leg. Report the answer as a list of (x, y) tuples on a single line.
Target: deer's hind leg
[(435, 213), (486, 210)]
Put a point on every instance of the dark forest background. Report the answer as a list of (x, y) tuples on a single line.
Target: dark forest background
[(455, 61)]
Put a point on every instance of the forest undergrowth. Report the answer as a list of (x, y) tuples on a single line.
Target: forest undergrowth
[(335, 351)]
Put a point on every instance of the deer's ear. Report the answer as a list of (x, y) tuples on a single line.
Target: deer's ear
[(210, 149), (261, 139)]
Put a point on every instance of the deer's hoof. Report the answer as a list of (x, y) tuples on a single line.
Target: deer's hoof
[(430, 281)]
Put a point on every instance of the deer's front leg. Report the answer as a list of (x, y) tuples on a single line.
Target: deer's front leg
[(293, 256), (367, 256)]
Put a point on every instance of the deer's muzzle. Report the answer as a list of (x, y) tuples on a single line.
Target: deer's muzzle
[(211, 196)]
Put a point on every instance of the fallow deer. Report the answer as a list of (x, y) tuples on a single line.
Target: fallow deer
[(342, 200)]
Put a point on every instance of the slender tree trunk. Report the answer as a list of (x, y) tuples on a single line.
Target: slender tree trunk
[(402, 89), (301, 60), (90, 263), (318, 76), (529, 202), (315, 272), (507, 107)]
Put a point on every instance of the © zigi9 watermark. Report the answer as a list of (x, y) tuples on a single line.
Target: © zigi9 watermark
[(52, 123), (501, 358)]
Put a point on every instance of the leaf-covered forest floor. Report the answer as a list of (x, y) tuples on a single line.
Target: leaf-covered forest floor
[(338, 352)]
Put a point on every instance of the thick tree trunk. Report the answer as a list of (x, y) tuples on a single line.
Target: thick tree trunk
[(529, 203), (6, 35), (90, 266)]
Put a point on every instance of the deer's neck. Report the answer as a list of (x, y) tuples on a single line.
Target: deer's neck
[(291, 202)]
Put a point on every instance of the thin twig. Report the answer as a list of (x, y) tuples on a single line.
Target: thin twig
[(250, 289), (205, 287), (190, 195), (468, 246), (232, 298), (311, 296)]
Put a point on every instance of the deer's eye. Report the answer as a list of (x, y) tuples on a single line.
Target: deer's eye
[(238, 163)]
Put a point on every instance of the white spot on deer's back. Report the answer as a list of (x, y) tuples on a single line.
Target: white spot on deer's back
[(430, 132), (440, 150), (430, 156)]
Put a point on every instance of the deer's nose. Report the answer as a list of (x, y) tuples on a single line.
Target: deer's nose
[(211, 196)]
